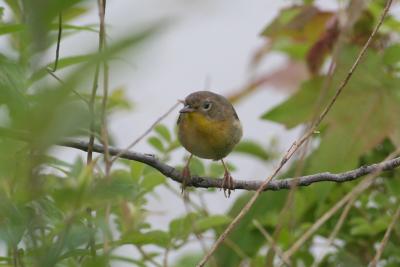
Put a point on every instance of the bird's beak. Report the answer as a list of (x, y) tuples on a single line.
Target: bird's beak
[(186, 109)]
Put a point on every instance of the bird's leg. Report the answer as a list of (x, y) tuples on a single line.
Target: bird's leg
[(227, 183), (186, 174)]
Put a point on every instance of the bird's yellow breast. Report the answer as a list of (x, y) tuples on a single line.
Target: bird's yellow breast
[(207, 138)]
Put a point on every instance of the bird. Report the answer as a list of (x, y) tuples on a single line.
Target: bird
[(209, 128)]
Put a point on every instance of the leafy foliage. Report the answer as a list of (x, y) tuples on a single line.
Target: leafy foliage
[(58, 213)]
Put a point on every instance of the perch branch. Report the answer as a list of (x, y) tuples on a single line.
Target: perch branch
[(209, 182), (250, 185)]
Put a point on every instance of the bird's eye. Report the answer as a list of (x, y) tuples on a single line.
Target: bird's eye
[(206, 105)]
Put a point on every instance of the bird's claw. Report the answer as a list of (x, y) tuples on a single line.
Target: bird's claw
[(227, 184), (186, 178)]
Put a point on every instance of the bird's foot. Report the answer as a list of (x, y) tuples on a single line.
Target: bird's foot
[(186, 178), (227, 184)]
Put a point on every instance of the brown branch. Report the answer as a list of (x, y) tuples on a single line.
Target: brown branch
[(211, 182), (297, 144), (250, 185)]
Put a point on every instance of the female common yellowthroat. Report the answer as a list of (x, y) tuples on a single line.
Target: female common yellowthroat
[(209, 128)]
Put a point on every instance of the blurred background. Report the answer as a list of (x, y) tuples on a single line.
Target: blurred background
[(257, 53)]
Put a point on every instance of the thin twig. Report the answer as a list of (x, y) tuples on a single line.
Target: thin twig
[(92, 113), (52, 71), (338, 225), (364, 184), (58, 41), (236, 248), (165, 258), (145, 133), (296, 144), (272, 242), (103, 117), (341, 220), (95, 86), (194, 230), (147, 257), (62, 82), (354, 193), (353, 12), (92, 232), (385, 239)]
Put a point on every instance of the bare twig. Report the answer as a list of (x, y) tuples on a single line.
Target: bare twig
[(196, 233), (58, 42), (353, 12), (145, 133), (92, 113), (341, 220), (338, 225), (354, 193), (385, 239), (364, 184), (103, 117), (147, 257), (104, 131), (95, 86), (297, 144), (92, 233), (52, 71), (271, 242), (62, 82)]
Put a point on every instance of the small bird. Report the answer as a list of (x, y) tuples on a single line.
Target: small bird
[(209, 128)]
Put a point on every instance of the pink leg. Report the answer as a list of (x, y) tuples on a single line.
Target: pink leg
[(227, 183), (186, 174)]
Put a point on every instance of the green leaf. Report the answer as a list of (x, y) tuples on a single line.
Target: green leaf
[(216, 169), (212, 221), (191, 259), (363, 227), (197, 167), (156, 143), (74, 12), (118, 100), (136, 170), (392, 54), (11, 28), (252, 148), (156, 237), (13, 86), (121, 185), (296, 29), (297, 109), (62, 63), (370, 96), (393, 185), (151, 180), (163, 131), (66, 27), (181, 228)]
